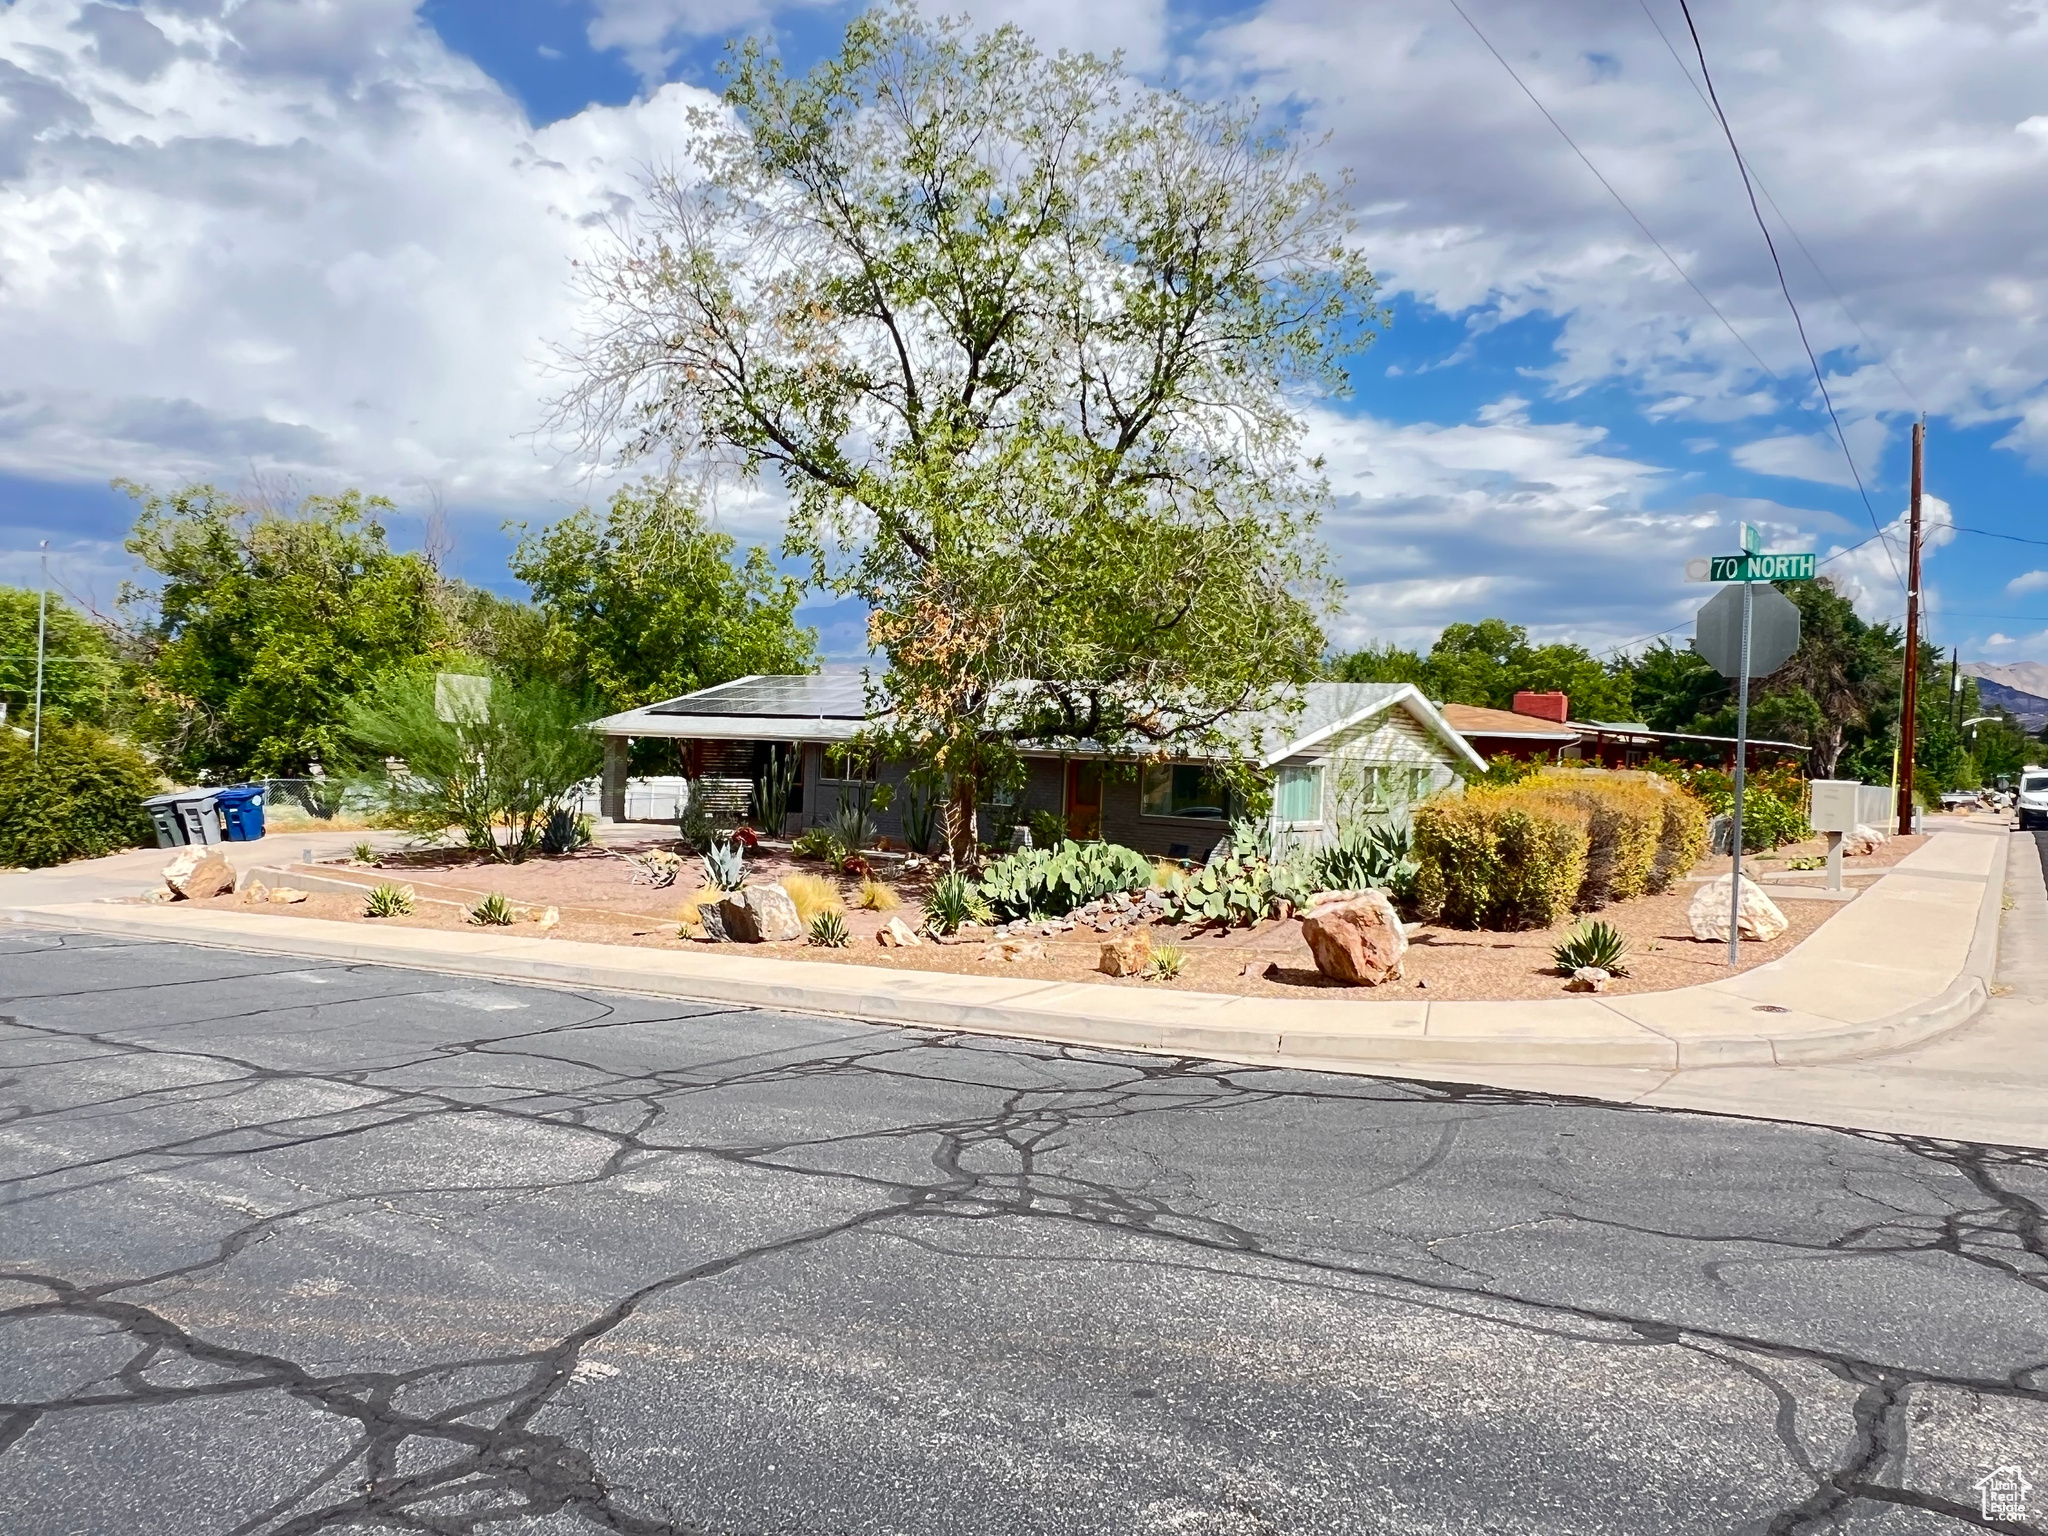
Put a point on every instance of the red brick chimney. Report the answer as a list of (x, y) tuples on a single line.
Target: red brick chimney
[(1544, 706)]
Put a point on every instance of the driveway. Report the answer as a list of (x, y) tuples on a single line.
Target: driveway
[(301, 1246)]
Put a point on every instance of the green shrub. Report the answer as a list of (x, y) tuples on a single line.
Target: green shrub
[(1624, 819), (494, 911), (564, 831), (1498, 858), (1367, 856), (1768, 822), (495, 775), (81, 800), (953, 901), (1048, 882)]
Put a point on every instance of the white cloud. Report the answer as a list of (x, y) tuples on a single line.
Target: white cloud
[(1871, 574), (2028, 581)]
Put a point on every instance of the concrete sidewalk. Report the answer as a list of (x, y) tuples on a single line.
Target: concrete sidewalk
[(1906, 961)]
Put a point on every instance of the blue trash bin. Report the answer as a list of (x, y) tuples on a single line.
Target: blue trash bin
[(241, 812)]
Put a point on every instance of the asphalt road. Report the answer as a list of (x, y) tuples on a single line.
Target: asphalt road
[(327, 1247)]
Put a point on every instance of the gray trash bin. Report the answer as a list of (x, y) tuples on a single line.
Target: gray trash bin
[(163, 814), (199, 815)]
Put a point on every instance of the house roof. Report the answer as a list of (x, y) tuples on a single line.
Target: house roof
[(831, 706), (1636, 730), (1475, 720)]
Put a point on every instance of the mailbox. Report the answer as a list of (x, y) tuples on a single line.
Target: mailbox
[(1834, 805)]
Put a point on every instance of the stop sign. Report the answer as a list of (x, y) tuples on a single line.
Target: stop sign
[(1773, 630)]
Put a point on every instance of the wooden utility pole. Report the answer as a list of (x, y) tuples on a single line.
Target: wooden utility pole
[(1910, 700)]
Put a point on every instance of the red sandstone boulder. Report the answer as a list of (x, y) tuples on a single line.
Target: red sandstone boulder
[(1358, 940)]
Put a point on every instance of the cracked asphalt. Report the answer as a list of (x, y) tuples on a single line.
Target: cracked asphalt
[(309, 1247)]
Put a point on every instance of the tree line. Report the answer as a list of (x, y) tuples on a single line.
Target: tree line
[(1838, 695)]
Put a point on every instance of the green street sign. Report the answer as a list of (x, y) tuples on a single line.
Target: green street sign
[(1760, 568)]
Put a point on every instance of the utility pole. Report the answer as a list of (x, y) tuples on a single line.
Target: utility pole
[(42, 628), (1955, 687), (1910, 695)]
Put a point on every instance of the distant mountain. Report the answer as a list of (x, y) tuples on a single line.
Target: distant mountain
[(2025, 676), (2009, 688)]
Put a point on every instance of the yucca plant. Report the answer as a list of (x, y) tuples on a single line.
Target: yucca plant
[(952, 901), (494, 911), (388, 901), (1596, 944), (725, 866), (1167, 960), (828, 930), (362, 853)]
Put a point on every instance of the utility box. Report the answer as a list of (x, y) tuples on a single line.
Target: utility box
[(1834, 805)]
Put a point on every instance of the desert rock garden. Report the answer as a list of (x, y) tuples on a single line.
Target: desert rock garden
[(1564, 881)]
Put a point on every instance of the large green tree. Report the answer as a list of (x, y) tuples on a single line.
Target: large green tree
[(1488, 663), (83, 679), (260, 625), (646, 602), (1027, 344)]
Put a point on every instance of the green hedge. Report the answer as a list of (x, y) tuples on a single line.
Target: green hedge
[(82, 799), (1498, 858)]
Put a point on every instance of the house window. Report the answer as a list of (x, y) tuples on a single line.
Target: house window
[(1187, 790), (1298, 798), (849, 765), (1391, 786)]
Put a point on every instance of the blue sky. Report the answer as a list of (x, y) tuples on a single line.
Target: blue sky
[(296, 244)]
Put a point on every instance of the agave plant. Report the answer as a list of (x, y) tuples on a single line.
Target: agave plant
[(828, 930), (1368, 856), (1167, 961), (725, 866), (564, 831), (494, 911), (388, 901), (1596, 944), (362, 853)]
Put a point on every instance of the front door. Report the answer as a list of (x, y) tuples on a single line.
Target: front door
[(1084, 801)]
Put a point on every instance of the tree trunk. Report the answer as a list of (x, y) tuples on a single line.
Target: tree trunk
[(960, 820)]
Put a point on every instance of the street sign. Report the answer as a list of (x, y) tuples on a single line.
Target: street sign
[(1760, 568), (1773, 637)]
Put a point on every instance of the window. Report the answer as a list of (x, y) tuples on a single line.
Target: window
[(1186, 790), (1298, 798)]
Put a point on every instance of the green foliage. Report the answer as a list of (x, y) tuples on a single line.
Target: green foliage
[(920, 814), (1593, 943), (1048, 829), (82, 799), (647, 602), (1236, 888), (261, 627), (952, 901), (1489, 662), (828, 930), (819, 843), (84, 682), (363, 853), (494, 911), (1048, 882), (1367, 855), (693, 817), (1674, 687), (495, 777), (725, 866), (1624, 822), (775, 788), (1773, 801), (564, 830), (1498, 859), (394, 901), (1167, 962), (1029, 343)]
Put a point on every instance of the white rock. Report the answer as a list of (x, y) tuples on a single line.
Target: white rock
[(1588, 978), (1761, 919), (897, 934)]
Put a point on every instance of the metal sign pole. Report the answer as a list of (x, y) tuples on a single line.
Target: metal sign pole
[(1741, 760)]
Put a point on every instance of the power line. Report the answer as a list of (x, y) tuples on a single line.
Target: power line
[(1625, 208), (1714, 100), (1986, 533), (1790, 227)]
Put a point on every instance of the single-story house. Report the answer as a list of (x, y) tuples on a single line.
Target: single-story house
[(1352, 748), (1540, 726)]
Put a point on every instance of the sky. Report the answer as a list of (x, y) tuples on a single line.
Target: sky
[(297, 245)]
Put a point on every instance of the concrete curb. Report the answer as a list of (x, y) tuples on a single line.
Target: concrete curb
[(1387, 1035)]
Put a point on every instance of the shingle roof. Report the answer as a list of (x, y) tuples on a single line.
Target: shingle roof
[(1476, 720)]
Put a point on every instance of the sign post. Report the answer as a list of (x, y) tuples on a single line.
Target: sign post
[(1750, 636)]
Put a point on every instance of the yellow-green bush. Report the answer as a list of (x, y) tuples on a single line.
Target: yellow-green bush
[(1499, 858), (1681, 840), (1624, 817)]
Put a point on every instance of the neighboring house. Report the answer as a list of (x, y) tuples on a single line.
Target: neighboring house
[(1540, 726), (1352, 748)]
